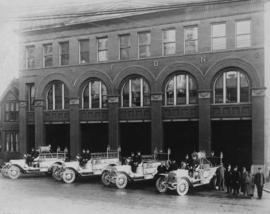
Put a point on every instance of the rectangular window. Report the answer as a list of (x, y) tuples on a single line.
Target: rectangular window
[(191, 39), (48, 55), (30, 93), (124, 46), (219, 36), (11, 141), (64, 53), (30, 56), (84, 51), (169, 43), (102, 48), (144, 41), (243, 34), (11, 111)]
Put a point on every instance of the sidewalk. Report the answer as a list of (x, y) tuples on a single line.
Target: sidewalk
[(266, 187)]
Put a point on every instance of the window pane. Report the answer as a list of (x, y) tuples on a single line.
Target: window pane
[(48, 61), (144, 38), (102, 55), (170, 92), (124, 53), (102, 43), (180, 89), (58, 96), (169, 35), (244, 88), (231, 87), (193, 95), (219, 90), (50, 99), (125, 94), (191, 39), (169, 48), (144, 51), (124, 41), (135, 92), (218, 30), (86, 98), (146, 94), (30, 56), (95, 94), (104, 96), (64, 53), (84, 51), (66, 98), (243, 41), (243, 27), (219, 43)]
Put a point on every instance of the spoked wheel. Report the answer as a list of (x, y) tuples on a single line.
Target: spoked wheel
[(121, 181), (182, 187), (69, 176), (105, 178), (161, 184), (56, 173), (14, 172)]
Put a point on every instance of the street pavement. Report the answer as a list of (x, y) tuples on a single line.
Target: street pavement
[(43, 195)]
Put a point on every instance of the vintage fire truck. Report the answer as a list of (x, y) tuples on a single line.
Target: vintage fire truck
[(121, 175), (45, 162), (182, 180), (69, 171)]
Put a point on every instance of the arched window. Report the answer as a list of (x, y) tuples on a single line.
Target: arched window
[(135, 93), (181, 89), (231, 87), (57, 97), (94, 95)]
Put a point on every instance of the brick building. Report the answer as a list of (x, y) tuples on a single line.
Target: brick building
[(185, 75)]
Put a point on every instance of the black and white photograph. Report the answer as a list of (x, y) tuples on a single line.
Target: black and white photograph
[(134, 106)]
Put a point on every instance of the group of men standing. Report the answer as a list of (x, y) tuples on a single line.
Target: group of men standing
[(84, 157), (243, 181)]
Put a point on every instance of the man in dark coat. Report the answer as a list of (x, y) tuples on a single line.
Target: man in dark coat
[(236, 178), (228, 179), (212, 158), (162, 168), (259, 181)]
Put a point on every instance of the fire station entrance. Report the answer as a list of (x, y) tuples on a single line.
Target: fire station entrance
[(30, 137), (181, 137), (234, 139), (95, 137), (135, 137), (57, 135)]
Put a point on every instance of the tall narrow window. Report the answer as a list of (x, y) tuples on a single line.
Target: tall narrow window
[(94, 95), (102, 48), (11, 141), (232, 87), (144, 41), (57, 96), (135, 93), (218, 36), (169, 43), (84, 51), (30, 56), (191, 39), (124, 46), (243, 34), (48, 55), (181, 89), (30, 93), (11, 106), (64, 53)]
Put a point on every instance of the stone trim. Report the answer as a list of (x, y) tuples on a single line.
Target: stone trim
[(258, 92), (39, 103), (156, 97), (113, 99), (204, 95), (74, 101)]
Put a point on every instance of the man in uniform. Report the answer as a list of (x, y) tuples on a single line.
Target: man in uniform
[(228, 178), (259, 181)]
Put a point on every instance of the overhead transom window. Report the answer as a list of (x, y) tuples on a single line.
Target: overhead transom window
[(135, 93), (57, 96), (181, 89), (231, 87), (94, 95)]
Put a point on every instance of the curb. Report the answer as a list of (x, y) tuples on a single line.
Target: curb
[(266, 190)]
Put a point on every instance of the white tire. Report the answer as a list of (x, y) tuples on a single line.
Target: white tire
[(14, 172), (105, 178), (121, 181), (161, 184), (182, 187), (69, 176)]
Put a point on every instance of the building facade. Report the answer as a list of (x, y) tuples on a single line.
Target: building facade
[(185, 76)]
